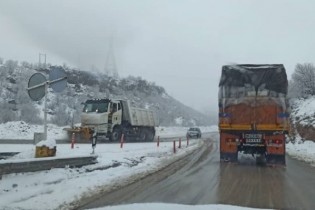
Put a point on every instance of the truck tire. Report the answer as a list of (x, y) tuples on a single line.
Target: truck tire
[(129, 138), (150, 135), (143, 135), (115, 135)]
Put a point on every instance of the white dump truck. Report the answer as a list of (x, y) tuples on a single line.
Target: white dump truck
[(112, 118)]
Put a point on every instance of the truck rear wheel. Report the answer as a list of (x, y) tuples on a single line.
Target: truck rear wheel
[(115, 135), (150, 135), (143, 135)]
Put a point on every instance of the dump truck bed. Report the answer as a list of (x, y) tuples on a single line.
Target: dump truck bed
[(139, 117), (142, 117)]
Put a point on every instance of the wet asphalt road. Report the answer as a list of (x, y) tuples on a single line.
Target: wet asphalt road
[(202, 179)]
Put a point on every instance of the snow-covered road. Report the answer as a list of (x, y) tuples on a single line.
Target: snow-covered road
[(57, 188)]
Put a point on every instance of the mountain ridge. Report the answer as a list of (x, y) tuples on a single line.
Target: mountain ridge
[(64, 108)]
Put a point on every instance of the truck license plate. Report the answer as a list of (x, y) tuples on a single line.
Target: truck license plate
[(253, 138)]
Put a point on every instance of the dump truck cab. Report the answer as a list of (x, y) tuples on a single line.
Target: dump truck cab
[(101, 114)]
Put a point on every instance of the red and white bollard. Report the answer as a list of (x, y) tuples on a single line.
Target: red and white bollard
[(158, 141), (72, 140), (122, 141), (174, 146), (180, 143)]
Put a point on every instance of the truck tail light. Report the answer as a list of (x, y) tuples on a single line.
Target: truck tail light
[(275, 141)]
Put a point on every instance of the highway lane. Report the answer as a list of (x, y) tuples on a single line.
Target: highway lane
[(202, 179)]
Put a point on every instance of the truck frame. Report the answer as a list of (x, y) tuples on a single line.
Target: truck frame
[(253, 112)]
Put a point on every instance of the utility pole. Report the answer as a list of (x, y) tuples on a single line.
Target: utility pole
[(110, 65), (40, 63)]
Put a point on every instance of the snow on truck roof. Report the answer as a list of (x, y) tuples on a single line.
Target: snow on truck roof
[(271, 76)]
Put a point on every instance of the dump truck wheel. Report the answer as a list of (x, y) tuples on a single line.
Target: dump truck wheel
[(115, 135), (150, 135), (128, 138), (143, 135)]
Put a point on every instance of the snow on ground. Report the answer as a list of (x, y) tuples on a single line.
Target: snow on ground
[(54, 188), (22, 130), (305, 107), (303, 111), (57, 188), (302, 151), (159, 206)]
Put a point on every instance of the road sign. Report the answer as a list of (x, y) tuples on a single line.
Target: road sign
[(57, 79), (36, 86)]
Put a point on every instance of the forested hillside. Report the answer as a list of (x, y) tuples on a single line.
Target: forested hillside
[(64, 108), (302, 100)]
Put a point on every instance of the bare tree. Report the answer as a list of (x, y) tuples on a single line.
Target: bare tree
[(29, 113), (11, 65), (62, 116), (303, 78), (7, 114)]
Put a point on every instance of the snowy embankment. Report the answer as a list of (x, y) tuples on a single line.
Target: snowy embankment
[(58, 188), (159, 206), (303, 111), (303, 114), (304, 151)]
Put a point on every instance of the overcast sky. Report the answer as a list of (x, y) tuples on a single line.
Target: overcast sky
[(178, 44)]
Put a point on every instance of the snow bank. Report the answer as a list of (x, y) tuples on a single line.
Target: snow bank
[(56, 188), (22, 130), (50, 143), (303, 112), (302, 151)]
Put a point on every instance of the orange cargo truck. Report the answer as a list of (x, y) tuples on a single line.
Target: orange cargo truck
[(253, 112)]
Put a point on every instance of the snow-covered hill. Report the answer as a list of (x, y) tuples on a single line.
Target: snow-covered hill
[(303, 117), (64, 108)]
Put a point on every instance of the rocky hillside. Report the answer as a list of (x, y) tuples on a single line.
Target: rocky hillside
[(303, 117), (64, 108)]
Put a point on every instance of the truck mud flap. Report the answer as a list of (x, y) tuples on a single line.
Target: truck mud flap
[(275, 159), (228, 157)]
